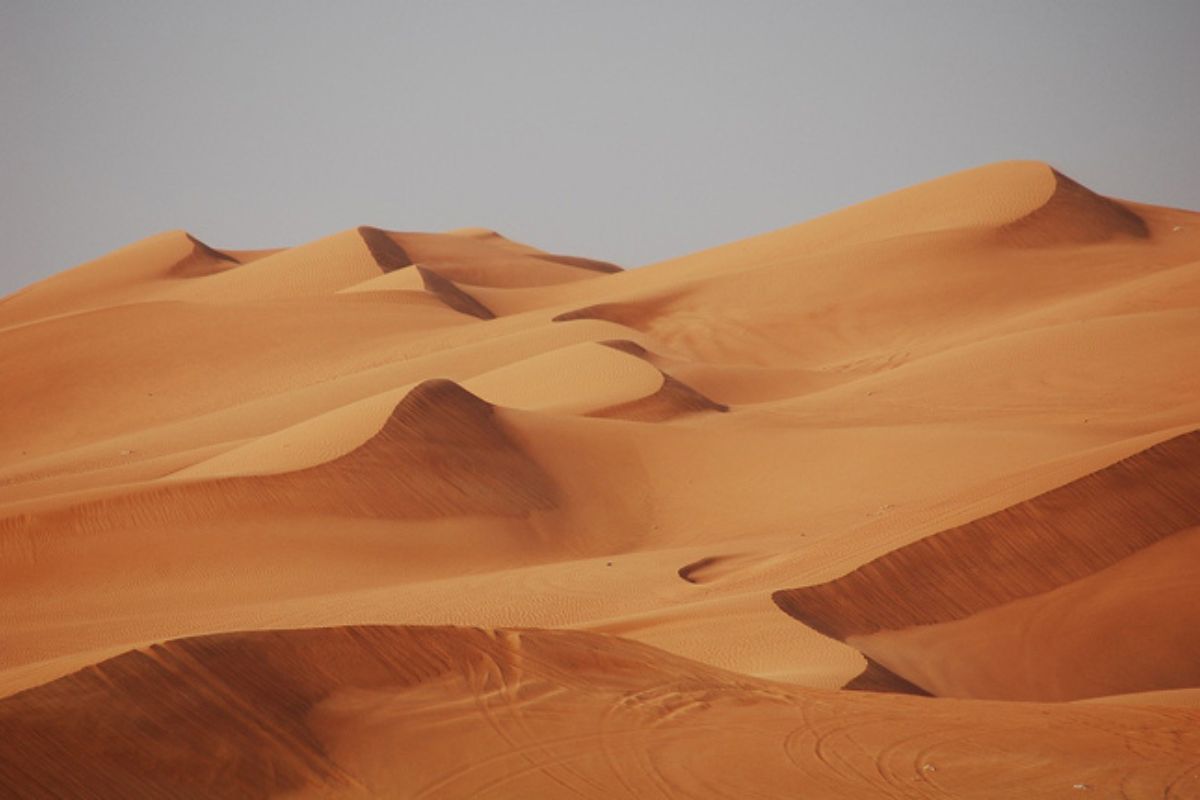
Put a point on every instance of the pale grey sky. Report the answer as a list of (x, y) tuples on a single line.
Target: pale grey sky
[(628, 131)]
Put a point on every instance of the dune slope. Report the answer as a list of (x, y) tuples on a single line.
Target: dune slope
[(520, 713), (1065, 537)]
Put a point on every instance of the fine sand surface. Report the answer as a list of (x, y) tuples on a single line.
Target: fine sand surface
[(460, 712), (444, 515)]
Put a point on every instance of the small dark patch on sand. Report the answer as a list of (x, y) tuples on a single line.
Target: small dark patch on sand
[(695, 571), (454, 297), (581, 263), (878, 678), (626, 346)]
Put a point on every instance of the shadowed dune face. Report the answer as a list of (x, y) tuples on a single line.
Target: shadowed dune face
[(203, 260), (454, 450), (673, 399), (1034, 547), (1037, 545), (158, 720), (389, 255), (154, 721), (960, 417), (582, 263), (627, 346), (1074, 214), (1124, 629), (490, 260), (634, 314), (878, 678), (446, 712), (442, 452), (454, 297)]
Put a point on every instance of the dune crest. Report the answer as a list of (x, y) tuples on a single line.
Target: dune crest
[(442, 451), (674, 399), (630, 314), (1074, 214), (387, 253), (454, 297), (589, 264), (203, 260)]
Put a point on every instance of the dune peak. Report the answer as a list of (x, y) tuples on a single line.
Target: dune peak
[(1074, 214), (388, 254), (201, 261), (438, 394), (482, 234)]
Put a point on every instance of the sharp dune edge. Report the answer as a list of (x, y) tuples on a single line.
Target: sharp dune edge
[(1069, 535), (899, 502), (203, 260)]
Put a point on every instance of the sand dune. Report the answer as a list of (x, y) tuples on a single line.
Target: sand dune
[(538, 713), (1041, 543), (1121, 630), (1010, 567), (942, 442), (203, 260), (673, 399), (441, 452), (388, 254), (1074, 215)]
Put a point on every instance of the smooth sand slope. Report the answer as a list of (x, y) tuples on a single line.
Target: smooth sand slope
[(942, 442)]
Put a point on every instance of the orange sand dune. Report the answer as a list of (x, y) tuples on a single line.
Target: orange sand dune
[(1124, 629), (1074, 215), (368, 711), (959, 421), (1000, 574)]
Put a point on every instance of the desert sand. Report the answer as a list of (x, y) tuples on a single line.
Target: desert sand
[(903, 501)]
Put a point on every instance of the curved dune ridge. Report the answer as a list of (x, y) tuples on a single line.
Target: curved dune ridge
[(203, 260), (537, 713), (633, 314), (1056, 540), (363, 516), (1126, 628), (582, 263), (673, 398), (442, 451), (1074, 214), (454, 297), (389, 255)]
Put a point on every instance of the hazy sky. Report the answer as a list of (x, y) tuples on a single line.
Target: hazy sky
[(629, 131)]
